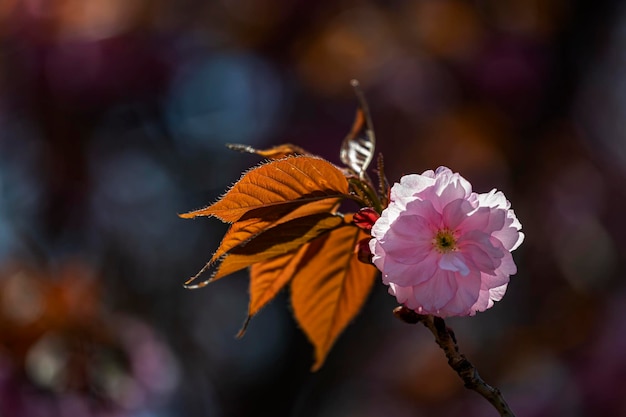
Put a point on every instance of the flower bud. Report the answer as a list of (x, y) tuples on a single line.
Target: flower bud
[(365, 218), (363, 252)]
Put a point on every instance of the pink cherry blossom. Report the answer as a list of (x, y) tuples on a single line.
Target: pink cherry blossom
[(443, 249)]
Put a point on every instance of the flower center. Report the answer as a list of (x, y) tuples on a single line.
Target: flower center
[(444, 241)]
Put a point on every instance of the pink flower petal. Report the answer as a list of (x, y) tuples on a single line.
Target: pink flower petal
[(425, 209), (413, 228), (483, 303), (493, 199), (497, 293), (455, 213), (449, 187), (433, 294), (410, 186), (466, 296), (480, 258), (496, 280), (412, 274), (478, 220), (507, 265), (404, 295), (509, 235), (454, 261)]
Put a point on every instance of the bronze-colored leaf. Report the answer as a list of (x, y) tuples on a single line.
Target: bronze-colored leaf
[(277, 241), (357, 149), (247, 228), (276, 152), (293, 180), (267, 278), (330, 288)]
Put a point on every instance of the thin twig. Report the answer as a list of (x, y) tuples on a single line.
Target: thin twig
[(444, 336)]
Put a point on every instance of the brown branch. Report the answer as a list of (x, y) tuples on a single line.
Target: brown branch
[(444, 336)]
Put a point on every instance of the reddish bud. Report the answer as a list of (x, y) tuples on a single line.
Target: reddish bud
[(363, 252), (365, 218)]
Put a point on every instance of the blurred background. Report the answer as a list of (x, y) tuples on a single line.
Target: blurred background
[(113, 119)]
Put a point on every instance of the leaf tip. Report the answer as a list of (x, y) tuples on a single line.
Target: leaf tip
[(202, 284), (242, 332), (240, 148), (316, 366), (188, 284), (188, 215)]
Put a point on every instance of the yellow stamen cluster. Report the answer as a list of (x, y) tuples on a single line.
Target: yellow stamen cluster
[(444, 241)]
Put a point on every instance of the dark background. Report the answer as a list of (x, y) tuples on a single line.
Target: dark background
[(113, 119)]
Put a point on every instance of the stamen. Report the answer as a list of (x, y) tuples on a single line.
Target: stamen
[(444, 241)]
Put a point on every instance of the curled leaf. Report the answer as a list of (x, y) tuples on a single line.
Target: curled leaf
[(276, 152), (357, 149)]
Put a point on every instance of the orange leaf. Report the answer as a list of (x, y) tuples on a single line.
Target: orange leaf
[(267, 278), (276, 152), (277, 241), (330, 289), (301, 179), (245, 229)]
